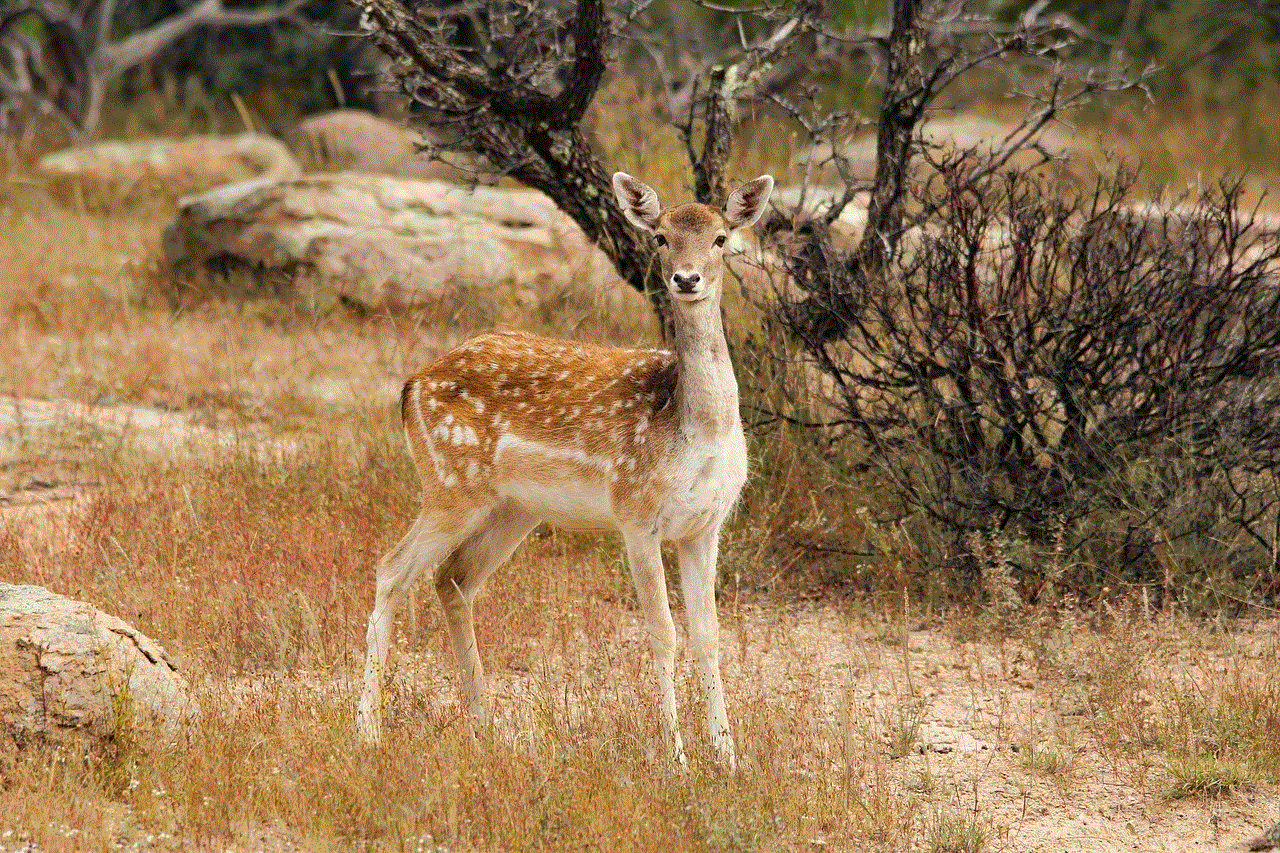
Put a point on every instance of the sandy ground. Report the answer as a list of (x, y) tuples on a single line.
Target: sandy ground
[(965, 713)]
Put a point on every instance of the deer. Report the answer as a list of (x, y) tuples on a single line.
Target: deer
[(509, 430)]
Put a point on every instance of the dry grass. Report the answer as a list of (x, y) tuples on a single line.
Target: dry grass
[(866, 725), (253, 569)]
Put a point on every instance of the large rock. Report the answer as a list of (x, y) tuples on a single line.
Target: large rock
[(383, 241), (71, 674), (790, 204), (161, 170), (946, 133), (357, 141)]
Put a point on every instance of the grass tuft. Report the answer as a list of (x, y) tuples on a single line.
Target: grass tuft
[(1205, 776)]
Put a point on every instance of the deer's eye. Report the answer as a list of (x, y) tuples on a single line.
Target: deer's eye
[(662, 241), (720, 240)]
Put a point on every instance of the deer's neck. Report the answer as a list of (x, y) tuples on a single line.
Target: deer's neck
[(706, 394)]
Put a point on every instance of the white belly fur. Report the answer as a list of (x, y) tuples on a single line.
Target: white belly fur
[(562, 486), (705, 481)]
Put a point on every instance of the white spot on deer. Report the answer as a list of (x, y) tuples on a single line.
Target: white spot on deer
[(437, 461)]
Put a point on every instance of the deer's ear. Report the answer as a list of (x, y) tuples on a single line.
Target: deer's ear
[(747, 202), (638, 201)]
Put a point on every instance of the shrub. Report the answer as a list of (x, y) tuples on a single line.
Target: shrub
[(1069, 387)]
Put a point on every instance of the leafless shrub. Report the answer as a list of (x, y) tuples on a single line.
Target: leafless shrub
[(1071, 368)]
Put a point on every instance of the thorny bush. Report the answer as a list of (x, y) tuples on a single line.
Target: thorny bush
[(1070, 384)]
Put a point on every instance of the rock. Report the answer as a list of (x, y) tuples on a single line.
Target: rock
[(382, 241), (71, 674), (358, 141), (161, 170), (947, 132), (846, 230)]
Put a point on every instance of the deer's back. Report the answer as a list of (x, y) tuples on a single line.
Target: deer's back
[(574, 432)]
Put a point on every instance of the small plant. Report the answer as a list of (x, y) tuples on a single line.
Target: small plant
[(904, 731), (1204, 776), (1046, 762), (955, 835), (923, 783)]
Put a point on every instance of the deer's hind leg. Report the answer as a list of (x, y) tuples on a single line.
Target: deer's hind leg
[(432, 536), (458, 581)]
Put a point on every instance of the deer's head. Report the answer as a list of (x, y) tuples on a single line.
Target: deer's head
[(691, 237)]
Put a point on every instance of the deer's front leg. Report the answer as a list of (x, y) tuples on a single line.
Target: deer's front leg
[(644, 553), (698, 581)]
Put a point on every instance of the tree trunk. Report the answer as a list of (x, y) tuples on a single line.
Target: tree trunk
[(901, 109), (574, 178)]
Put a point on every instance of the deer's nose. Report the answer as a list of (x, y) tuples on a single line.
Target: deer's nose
[(686, 283)]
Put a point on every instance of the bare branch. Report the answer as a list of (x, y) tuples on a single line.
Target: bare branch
[(112, 58), (85, 58)]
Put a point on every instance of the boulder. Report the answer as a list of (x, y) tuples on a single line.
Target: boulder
[(161, 170), (378, 240), (945, 133), (71, 674), (358, 141), (791, 203)]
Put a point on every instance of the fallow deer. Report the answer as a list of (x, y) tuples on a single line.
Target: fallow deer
[(511, 430)]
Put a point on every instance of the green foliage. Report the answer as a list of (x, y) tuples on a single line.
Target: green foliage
[(1205, 777), (291, 67), (1217, 49), (949, 834)]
